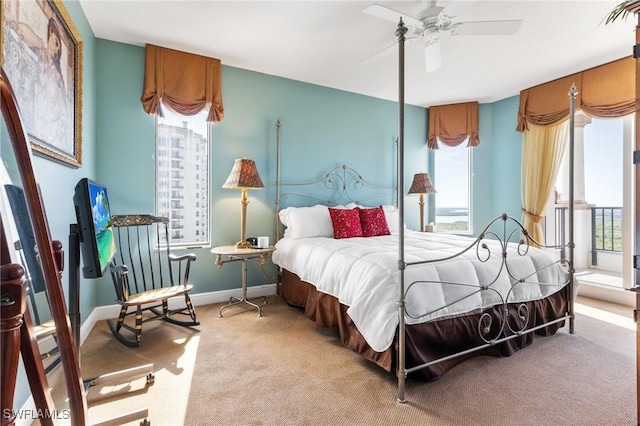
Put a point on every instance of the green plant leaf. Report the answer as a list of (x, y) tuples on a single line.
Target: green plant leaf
[(618, 12)]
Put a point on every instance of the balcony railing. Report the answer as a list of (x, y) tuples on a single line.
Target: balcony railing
[(561, 230), (606, 230)]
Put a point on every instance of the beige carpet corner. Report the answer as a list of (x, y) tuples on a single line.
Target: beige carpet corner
[(282, 369)]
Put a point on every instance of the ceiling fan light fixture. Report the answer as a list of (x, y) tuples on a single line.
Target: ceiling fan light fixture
[(430, 36), (431, 45)]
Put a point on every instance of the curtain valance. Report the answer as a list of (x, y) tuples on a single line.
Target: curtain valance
[(452, 124), (607, 91), (185, 82)]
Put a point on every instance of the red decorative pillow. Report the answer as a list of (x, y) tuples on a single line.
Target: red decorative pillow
[(374, 222), (346, 223)]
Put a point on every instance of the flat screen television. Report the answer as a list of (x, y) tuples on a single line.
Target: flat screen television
[(97, 242)]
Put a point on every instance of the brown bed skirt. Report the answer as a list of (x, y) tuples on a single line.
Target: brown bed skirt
[(427, 341)]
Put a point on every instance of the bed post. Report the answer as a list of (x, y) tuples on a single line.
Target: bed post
[(402, 374), (277, 179), (573, 92)]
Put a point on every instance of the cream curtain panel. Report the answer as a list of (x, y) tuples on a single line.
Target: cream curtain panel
[(452, 124), (607, 91), (184, 82), (542, 151)]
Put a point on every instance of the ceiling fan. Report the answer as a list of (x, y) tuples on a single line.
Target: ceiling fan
[(434, 22)]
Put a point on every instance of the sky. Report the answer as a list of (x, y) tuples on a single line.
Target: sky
[(197, 122), (603, 162), (451, 176)]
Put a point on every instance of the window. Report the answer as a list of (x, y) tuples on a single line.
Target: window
[(182, 147), (603, 188), (604, 181), (452, 180)]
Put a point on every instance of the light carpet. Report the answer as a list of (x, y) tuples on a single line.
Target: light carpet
[(282, 369)]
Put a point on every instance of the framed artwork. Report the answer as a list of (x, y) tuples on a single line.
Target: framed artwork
[(41, 52)]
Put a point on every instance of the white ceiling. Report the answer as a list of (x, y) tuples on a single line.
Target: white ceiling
[(323, 42)]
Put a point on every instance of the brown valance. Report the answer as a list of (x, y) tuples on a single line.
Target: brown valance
[(452, 124), (607, 91), (184, 82)]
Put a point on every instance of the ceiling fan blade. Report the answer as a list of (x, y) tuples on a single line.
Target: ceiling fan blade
[(379, 55), (486, 28), (384, 52), (391, 15), (429, 9), (432, 54), (457, 7)]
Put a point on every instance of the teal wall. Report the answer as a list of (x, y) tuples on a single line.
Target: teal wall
[(506, 157), (481, 185), (496, 164), (321, 127)]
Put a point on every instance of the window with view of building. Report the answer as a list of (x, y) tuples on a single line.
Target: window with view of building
[(452, 180), (182, 176)]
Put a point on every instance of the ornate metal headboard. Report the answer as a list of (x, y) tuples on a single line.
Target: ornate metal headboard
[(340, 184)]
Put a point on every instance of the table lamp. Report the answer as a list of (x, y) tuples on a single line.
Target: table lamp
[(422, 185), (244, 175)]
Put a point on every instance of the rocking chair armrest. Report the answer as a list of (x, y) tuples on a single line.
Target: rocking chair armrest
[(189, 257), (118, 269), (119, 275)]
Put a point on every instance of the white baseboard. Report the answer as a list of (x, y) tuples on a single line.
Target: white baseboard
[(112, 311), (198, 299)]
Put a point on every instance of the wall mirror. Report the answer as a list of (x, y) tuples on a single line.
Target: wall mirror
[(26, 232), (18, 230)]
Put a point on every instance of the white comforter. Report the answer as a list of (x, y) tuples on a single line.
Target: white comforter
[(363, 274)]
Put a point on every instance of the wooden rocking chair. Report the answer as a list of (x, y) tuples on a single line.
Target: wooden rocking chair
[(146, 275)]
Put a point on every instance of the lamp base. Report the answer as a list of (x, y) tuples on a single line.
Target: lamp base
[(243, 245)]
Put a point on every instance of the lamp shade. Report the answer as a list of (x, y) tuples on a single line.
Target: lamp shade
[(422, 184), (244, 174)]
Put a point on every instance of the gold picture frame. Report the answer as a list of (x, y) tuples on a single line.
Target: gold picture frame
[(41, 52)]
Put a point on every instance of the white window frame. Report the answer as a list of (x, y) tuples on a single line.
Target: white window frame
[(441, 181)]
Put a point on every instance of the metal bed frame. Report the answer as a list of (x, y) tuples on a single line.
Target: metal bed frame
[(402, 371), (341, 178)]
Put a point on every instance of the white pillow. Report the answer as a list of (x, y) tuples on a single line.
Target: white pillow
[(284, 216), (307, 222), (393, 216)]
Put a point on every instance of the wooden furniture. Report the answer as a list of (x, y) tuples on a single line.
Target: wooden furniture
[(226, 254), (146, 275), (22, 165), (13, 305)]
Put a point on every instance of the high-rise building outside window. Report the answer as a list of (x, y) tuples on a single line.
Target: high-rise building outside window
[(182, 177)]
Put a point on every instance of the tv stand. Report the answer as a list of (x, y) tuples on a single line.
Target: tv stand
[(74, 318)]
